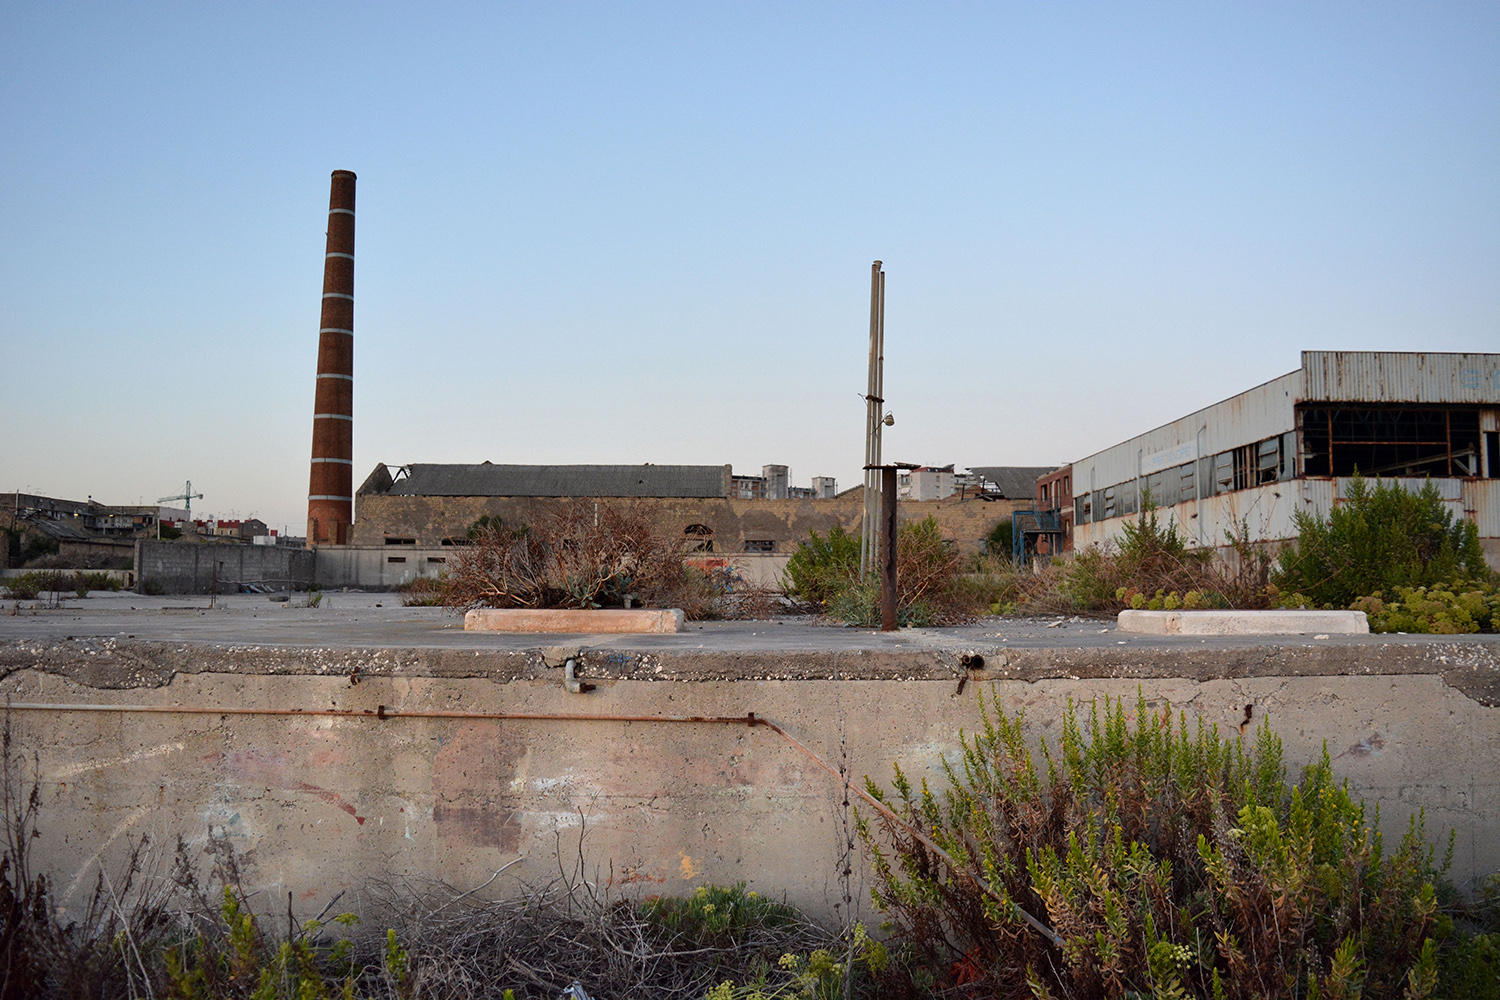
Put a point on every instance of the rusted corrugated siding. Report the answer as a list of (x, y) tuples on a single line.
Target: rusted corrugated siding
[(1400, 377), (1481, 503)]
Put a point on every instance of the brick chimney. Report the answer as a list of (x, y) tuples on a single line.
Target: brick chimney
[(330, 491)]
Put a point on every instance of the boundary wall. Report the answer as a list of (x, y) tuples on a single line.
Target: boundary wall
[(318, 804), (200, 568)]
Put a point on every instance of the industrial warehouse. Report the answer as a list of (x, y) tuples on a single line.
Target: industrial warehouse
[(1250, 463)]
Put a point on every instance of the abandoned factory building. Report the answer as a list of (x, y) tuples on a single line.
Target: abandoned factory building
[(1293, 444), (409, 520)]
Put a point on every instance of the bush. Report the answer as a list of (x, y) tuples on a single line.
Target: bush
[(821, 567), (1000, 542), (1454, 610), (25, 587), (587, 554), (1151, 567), (927, 579), (1170, 862), (1381, 537)]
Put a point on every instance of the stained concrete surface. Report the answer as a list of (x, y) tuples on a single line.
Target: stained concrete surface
[(316, 805)]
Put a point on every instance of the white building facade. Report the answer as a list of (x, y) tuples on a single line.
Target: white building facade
[(1251, 461)]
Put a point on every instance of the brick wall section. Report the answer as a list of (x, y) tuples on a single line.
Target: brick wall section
[(428, 520)]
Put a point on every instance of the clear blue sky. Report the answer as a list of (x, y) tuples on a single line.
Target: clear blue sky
[(631, 232)]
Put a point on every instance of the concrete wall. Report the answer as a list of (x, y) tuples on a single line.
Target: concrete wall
[(378, 567), (319, 805), (733, 522), (189, 567), (96, 552)]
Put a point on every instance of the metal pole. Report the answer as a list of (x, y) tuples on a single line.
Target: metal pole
[(868, 544), (888, 548)]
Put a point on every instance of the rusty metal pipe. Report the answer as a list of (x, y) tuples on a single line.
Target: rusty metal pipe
[(383, 713)]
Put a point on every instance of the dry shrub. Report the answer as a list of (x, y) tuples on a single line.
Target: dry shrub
[(589, 554), (586, 554)]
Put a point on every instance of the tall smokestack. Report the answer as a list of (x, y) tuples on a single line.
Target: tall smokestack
[(330, 491)]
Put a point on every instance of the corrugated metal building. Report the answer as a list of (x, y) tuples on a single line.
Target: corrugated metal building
[(1293, 443)]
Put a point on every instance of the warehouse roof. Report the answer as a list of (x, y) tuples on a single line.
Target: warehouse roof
[(486, 480), (1016, 482)]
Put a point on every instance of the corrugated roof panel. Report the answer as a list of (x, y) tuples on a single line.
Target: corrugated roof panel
[(1400, 377), (561, 481), (1016, 482)]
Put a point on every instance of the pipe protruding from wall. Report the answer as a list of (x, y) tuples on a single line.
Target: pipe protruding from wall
[(330, 492)]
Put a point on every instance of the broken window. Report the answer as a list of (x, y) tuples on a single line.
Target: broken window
[(1267, 461), (1224, 472), (759, 546), (395, 559), (698, 538), (1389, 441), (1156, 491), (389, 540), (1082, 506), (1186, 482)]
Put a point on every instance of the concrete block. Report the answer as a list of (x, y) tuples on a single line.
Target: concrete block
[(1244, 622), (559, 620)]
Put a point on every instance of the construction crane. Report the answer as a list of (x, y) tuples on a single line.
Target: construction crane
[(186, 494)]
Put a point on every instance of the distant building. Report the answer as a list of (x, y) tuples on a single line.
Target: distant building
[(1054, 495), (1013, 482), (925, 483), (1253, 461), (425, 509), (777, 481)]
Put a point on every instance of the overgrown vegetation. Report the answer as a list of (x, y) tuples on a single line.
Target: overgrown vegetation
[(1379, 538), (1152, 566), (28, 586), (823, 566), (1169, 862), (824, 571), (1434, 609), (587, 554)]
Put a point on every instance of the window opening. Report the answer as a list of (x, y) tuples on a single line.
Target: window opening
[(1390, 441), (759, 546)]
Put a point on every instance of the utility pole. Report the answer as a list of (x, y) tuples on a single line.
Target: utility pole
[(869, 545)]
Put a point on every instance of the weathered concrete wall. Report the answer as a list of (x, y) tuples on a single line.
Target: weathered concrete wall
[(377, 567), (315, 805), (190, 568), (733, 522)]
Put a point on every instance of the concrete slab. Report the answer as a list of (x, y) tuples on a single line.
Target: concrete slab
[(562, 621), (1244, 622)]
